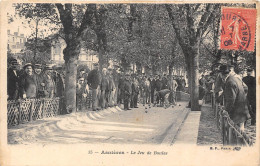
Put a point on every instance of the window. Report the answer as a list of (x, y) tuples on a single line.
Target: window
[(13, 39)]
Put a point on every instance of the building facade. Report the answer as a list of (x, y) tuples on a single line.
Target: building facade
[(16, 42), (86, 57)]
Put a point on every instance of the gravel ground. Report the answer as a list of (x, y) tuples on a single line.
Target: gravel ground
[(108, 126), (209, 134)]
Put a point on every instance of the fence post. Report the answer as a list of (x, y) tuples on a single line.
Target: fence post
[(19, 112), (223, 130), (43, 107), (230, 136), (31, 111)]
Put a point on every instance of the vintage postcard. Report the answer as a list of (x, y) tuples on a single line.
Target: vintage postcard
[(129, 83)]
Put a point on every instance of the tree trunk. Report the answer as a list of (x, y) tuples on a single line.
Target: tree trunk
[(189, 76), (195, 77), (71, 53), (101, 54), (70, 85)]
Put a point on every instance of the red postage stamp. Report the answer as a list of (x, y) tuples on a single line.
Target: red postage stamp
[(238, 26)]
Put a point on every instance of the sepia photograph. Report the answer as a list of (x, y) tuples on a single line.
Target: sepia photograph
[(130, 79)]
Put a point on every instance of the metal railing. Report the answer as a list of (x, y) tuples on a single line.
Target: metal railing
[(23, 111), (231, 134)]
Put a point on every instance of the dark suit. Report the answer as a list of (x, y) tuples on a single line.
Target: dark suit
[(251, 96), (12, 84), (94, 80), (219, 86), (29, 86), (152, 83), (127, 90), (235, 100), (165, 83)]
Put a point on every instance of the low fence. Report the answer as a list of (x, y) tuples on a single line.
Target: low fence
[(231, 134), (23, 111)]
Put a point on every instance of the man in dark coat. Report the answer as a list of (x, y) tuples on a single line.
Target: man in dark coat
[(158, 86), (59, 79), (152, 83), (163, 96), (250, 81), (116, 76), (158, 83), (104, 89), (165, 82), (235, 98), (94, 80), (219, 87), (120, 94), (111, 87), (48, 82), (13, 81), (127, 91), (135, 92), (59, 82), (28, 83), (39, 78)]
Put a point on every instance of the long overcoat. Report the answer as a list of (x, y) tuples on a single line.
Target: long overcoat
[(235, 100)]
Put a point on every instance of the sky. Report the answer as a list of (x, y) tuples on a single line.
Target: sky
[(22, 25), (17, 24)]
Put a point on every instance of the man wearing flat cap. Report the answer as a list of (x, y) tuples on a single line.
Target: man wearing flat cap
[(235, 98), (28, 82), (13, 81), (250, 81)]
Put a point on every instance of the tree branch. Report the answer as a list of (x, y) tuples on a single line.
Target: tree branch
[(190, 22), (66, 18), (203, 19), (209, 50), (176, 29), (87, 18), (57, 22)]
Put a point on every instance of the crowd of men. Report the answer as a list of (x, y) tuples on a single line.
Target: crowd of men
[(111, 87), (34, 81), (236, 93), (95, 89)]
